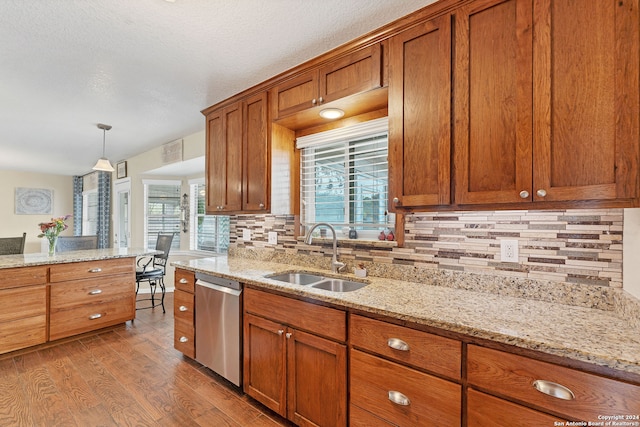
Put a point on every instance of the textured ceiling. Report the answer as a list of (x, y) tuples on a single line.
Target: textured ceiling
[(147, 67)]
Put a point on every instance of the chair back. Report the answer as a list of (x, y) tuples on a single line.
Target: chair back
[(76, 243), (12, 245), (163, 244)]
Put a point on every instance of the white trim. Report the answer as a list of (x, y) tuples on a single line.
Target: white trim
[(194, 181), (371, 127), (162, 182)]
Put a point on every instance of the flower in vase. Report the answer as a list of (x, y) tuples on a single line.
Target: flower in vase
[(51, 230)]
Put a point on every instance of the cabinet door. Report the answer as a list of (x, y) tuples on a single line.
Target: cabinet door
[(355, 73), (586, 96), (265, 362), (224, 160), (493, 96), (255, 170), (296, 94), (419, 115), (317, 380)]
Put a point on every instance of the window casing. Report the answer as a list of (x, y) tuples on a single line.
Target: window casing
[(162, 211), (208, 232), (345, 178)]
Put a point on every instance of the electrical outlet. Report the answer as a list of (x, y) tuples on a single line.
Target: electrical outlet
[(273, 238), (509, 250), (246, 234)]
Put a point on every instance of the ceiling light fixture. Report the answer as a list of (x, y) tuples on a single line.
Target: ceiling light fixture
[(103, 163), (331, 113)]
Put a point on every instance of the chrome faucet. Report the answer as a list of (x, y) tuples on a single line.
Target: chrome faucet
[(335, 265)]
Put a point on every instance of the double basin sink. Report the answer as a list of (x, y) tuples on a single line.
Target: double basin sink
[(317, 281)]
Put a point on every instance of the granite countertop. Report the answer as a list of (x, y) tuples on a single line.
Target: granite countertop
[(584, 334), (33, 259)]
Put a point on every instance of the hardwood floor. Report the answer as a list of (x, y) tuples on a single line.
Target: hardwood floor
[(128, 376)]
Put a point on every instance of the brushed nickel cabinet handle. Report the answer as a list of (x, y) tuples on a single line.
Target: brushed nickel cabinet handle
[(541, 192), (95, 292), (397, 344), (95, 270), (524, 194), (396, 200), (314, 101), (261, 205), (182, 308), (95, 316), (553, 389), (321, 100), (399, 398), (183, 281), (280, 331), (184, 339), (288, 335)]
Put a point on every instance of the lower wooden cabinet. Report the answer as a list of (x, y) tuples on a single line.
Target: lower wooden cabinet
[(23, 317), (296, 373), (484, 410), (184, 313)]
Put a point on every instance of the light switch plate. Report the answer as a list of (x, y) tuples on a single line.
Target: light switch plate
[(509, 250), (273, 238), (246, 234)]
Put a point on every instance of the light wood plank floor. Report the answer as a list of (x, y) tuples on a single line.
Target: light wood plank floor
[(127, 376)]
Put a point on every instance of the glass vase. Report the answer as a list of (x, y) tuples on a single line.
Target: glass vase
[(52, 244)]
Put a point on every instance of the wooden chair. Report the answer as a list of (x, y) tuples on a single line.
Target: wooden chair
[(76, 243), (152, 270), (12, 245)]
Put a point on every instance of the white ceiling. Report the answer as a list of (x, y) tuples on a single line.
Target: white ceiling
[(147, 67)]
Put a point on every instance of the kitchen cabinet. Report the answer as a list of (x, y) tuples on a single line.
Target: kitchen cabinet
[(23, 308), (420, 115), (295, 358), (396, 375), (484, 410), (544, 386), (354, 73), (184, 312), (90, 295), (237, 156), (546, 101)]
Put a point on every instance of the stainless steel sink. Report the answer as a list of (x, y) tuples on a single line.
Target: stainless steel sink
[(317, 281), (297, 278), (338, 285)]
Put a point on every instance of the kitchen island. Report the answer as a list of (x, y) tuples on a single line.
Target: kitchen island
[(44, 298), (512, 340)]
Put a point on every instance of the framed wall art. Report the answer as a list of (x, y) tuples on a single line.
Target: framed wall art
[(121, 170), (33, 201)]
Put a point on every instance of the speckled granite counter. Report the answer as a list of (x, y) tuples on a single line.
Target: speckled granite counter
[(27, 260), (584, 334)]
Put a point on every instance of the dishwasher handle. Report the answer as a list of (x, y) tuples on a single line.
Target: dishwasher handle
[(234, 292)]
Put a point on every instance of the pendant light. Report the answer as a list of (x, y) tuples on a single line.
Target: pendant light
[(103, 163)]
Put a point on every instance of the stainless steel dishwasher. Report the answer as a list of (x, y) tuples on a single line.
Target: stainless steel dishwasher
[(219, 326)]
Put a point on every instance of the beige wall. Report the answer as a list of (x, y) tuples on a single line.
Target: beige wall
[(14, 225)]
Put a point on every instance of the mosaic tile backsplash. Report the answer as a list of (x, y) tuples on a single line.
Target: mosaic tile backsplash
[(565, 246)]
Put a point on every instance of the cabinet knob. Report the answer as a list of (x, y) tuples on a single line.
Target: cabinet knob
[(184, 339), (541, 192), (182, 308), (321, 100), (398, 344), (183, 280), (280, 331), (314, 101), (95, 316), (399, 398), (288, 335), (524, 194), (553, 389), (261, 205), (95, 292), (396, 200), (95, 270)]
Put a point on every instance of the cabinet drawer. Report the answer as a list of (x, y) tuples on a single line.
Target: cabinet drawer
[(423, 350), (488, 411), (23, 333), (19, 303), (91, 291), (358, 417), (89, 317), (91, 269), (513, 376), (16, 277), (184, 338), (184, 280), (433, 401), (183, 306), (324, 321)]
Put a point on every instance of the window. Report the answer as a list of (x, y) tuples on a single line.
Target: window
[(345, 178), (162, 211), (208, 232)]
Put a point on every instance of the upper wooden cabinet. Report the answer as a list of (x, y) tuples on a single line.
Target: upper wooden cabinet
[(546, 101), (238, 157), (420, 115), (358, 72)]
